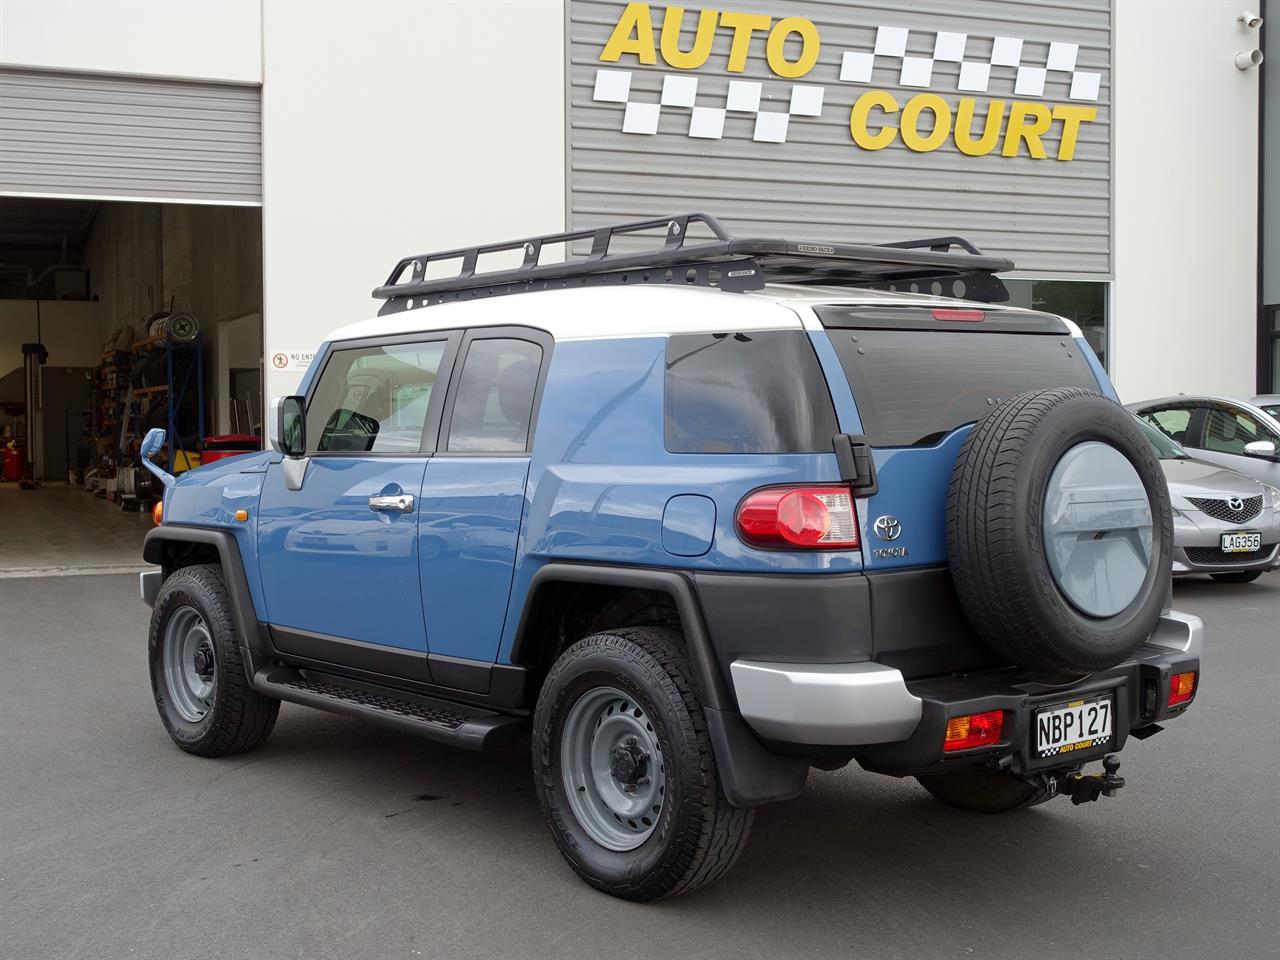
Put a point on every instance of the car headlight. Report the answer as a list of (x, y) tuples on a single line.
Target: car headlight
[(1273, 496)]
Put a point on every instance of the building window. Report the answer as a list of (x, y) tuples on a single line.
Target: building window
[(1081, 301)]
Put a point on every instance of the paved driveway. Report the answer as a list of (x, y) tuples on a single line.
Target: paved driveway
[(341, 839)]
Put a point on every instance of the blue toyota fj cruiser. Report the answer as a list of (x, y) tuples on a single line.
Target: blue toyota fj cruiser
[(697, 519)]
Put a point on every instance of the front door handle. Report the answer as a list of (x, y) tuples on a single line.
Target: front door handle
[(395, 503)]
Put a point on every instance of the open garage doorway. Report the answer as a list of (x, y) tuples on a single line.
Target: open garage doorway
[(115, 317)]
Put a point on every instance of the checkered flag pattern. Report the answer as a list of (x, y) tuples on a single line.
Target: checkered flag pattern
[(706, 122), (975, 75)]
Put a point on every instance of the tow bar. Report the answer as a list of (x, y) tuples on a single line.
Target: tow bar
[(1082, 788)]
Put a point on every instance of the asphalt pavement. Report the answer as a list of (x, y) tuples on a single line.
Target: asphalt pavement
[(341, 839)]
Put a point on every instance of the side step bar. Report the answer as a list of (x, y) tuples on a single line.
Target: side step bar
[(473, 728)]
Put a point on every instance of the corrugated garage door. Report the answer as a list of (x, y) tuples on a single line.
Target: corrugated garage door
[(77, 135), (642, 144)]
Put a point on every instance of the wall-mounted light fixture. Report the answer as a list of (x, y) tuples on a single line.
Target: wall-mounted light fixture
[(1248, 59), (1250, 20)]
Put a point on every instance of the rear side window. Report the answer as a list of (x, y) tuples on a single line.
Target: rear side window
[(758, 392), (913, 387), (494, 405)]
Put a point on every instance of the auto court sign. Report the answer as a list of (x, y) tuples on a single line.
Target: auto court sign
[(956, 111)]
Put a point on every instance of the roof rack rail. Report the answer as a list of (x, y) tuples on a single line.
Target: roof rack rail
[(930, 265)]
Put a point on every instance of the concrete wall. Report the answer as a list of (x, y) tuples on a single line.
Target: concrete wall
[(1186, 171), (191, 39), (408, 127)]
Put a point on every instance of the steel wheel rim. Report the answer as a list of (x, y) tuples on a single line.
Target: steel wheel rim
[(190, 667), (615, 795), (1098, 529)]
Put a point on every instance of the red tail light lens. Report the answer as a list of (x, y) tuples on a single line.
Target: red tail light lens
[(963, 316), (974, 730), (1182, 687), (819, 518)]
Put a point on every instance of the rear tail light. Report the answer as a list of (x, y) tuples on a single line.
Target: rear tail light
[(1182, 687), (964, 316), (157, 513), (819, 518), (974, 730)]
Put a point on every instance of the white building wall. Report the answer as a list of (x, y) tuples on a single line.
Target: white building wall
[(1186, 200), (192, 39), (398, 128)]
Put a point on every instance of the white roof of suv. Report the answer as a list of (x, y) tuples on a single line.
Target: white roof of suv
[(614, 312)]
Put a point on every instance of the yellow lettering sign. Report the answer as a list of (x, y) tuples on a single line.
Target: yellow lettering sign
[(633, 33), (990, 129), (743, 26), (776, 47), (911, 135), (862, 107), (1071, 118), (1027, 121), (695, 56)]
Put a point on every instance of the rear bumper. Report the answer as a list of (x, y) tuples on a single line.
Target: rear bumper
[(897, 726)]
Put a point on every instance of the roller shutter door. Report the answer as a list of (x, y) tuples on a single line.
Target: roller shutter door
[(662, 139), (80, 135)]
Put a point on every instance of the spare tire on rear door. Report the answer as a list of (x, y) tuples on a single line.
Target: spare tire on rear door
[(1059, 531)]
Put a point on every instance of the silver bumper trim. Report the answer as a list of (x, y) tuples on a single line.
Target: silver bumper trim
[(825, 703), (149, 582), (1179, 632)]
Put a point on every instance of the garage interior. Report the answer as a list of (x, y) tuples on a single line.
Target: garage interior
[(116, 317)]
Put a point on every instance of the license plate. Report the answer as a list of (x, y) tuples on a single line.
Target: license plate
[(1078, 725), (1241, 542)]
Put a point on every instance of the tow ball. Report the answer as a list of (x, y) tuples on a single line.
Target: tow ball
[(1082, 788)]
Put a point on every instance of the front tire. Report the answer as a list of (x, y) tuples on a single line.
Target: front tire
[(197, 675), (624, 768), (985, 791), (1237, 576)]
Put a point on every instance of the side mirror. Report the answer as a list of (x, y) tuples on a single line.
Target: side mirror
[(152, 443), (289, 425), (1260, 448)]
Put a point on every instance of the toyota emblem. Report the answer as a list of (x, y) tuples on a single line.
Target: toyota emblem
[(887, 528), (1236, 504)]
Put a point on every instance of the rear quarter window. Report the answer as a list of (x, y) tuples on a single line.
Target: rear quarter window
[(757, 392)]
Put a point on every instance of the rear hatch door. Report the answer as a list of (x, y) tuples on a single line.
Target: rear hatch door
[(920, 377)]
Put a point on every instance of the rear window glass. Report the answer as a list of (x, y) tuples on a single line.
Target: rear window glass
[(758, 392), (913, 387)]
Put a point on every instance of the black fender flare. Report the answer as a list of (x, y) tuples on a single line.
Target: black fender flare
[(157, 548), (750, 773)]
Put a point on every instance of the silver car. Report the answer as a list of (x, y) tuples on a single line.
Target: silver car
[(1231, 433), (1224, 523), (1269, 403)]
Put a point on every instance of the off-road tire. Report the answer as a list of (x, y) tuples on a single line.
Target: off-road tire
[(698, 835), (1237, 576), (995, 535), (984, 791), (239, 717)]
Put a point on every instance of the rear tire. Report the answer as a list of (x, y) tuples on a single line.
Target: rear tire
[(984, 791), (1237, 576), (632, 690), (197, 674)]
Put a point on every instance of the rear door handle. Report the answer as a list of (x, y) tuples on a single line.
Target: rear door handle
[(396, 503)]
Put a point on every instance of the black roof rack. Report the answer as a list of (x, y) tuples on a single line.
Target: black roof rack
[(931, 265)]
